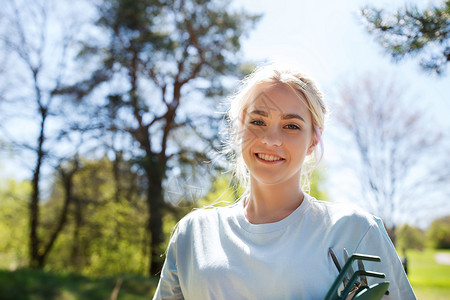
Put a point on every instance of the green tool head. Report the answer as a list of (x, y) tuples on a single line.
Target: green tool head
[(356, 287), (374, 292)]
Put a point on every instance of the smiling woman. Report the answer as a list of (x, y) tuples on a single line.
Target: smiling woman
[(274, 92), (274, 242)]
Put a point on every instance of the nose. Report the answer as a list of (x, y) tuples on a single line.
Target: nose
[(272, 137)]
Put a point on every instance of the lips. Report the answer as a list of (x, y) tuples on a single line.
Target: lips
[(269, 157)]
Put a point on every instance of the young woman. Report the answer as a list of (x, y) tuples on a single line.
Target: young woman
[(274, 243)]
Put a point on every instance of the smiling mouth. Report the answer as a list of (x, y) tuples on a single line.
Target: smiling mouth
[(269, 157)]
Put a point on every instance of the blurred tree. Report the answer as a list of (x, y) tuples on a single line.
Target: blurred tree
[(66, 174), (37, 65), (102, 226), (409, 237), (160, 62), (109, 226), (393, 143), (439, 233), (411, 31)]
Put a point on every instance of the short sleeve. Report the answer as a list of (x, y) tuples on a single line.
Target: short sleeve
[(377, 242), (169, 284)]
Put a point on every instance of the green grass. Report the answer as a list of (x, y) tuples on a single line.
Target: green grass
[(430, 280), (39, 285)]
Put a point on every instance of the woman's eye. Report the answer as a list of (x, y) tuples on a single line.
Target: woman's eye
[(292, 126), (257, 122)]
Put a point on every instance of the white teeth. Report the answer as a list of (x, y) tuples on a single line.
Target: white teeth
[(268, 157)]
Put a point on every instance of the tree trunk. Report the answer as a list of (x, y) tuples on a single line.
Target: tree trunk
[(155, 166), (38, 253), (68, 185), (155, 199), (34, 219), (34, 201), (75, 255)]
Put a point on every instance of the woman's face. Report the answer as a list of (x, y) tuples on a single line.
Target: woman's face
[(277, 135)]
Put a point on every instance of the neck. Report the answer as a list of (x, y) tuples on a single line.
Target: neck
[(272, 203)]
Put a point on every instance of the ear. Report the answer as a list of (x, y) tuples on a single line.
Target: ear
[(316, 136), (313, 145)]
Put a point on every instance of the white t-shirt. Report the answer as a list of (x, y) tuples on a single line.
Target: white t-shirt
[(218, 254)]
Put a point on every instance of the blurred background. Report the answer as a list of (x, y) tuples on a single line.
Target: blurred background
[(112, 128)]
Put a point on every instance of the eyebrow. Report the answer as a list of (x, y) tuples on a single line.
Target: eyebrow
[(292, 116), (259, 112), (283, 117)]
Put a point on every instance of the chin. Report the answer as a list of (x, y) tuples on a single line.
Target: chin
[(275, 178), (268, 180)]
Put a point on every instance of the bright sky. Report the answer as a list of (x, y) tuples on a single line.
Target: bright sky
[(326, 39)]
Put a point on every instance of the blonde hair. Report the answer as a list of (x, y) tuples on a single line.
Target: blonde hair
[(303, 86)]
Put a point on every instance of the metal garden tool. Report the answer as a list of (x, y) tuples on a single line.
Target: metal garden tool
[(355, 282)]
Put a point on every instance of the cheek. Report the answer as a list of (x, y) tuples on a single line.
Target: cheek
[(249, 135), (299, 145)]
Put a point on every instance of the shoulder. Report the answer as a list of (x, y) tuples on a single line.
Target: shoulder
[(342, 214), (204, 219), (348, 226)]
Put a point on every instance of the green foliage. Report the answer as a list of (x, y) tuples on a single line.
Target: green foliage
[(111, 241), (439, 233), (111, 222), (13, 223), (105, 228), (410, 31), (317, 182), (409, 237), (222, 193)]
